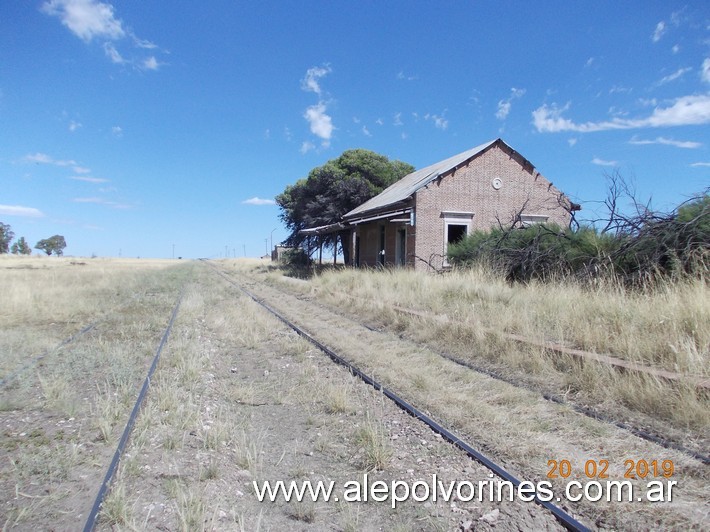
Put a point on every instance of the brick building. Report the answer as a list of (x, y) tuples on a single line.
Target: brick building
[(412, 222)]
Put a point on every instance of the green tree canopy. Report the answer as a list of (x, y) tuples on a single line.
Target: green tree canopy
[(332, 190), (54, 244), (6, 236), (21, 247)]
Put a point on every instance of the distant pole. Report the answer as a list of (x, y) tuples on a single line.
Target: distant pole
[(266, 245), (271, 236), (173, 250)]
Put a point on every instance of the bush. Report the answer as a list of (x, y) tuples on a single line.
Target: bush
[(297, 263), (641, 248)]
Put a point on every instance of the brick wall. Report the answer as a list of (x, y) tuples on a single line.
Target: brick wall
[(469, 189)]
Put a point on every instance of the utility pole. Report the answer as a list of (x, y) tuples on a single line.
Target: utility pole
[(266, 245), (173, 250)]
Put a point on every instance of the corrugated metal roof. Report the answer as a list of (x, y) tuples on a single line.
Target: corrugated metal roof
[(410, 183), (323, 229)]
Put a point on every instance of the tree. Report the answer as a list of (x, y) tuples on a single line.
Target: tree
[(6, 236), (331, 190), (54, 244), (21, 247)]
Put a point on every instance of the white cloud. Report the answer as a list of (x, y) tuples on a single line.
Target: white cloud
[(700, 164), (439, 121), (86, 18), (602, 162), (259, 201), (151, 63), (671, 77), (81, 170), (320, 122), (380, 122), (310, 82), (686, 110), (102, 201), (616, 89), (659, 31), (705, 70), (688, 144), (43, 158), (675, 49), (117, 131), (113, 54), (504, 105), (89, 179), (402, 75), (503, 109), (366, 131), (572, 141), (19, 210), (307, 146), (398, 119), (648, 102), (39, 158), (74, 125), (92, 19), (142, 43)]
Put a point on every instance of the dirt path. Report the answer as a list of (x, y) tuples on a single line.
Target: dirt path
[(240, 398)]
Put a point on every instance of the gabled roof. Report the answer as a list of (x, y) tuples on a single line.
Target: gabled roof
[(409, 184)]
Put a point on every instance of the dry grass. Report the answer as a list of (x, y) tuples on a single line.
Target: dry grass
[(517, 423), (47, 300), (667, 327), (73, 396), (374, 443)]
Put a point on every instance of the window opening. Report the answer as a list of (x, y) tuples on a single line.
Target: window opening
[(455, 233)]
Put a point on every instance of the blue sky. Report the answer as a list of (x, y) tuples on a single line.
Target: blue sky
[(132, 127)]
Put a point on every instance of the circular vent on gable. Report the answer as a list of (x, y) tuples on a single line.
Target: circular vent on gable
[(497, 183)]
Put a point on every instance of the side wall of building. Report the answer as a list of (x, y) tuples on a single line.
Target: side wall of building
[(495, 185)]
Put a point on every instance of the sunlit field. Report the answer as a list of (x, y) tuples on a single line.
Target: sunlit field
[(76, 339), (472, 314)]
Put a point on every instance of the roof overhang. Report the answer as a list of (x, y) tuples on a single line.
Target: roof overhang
[(380, 216), (323, 229)]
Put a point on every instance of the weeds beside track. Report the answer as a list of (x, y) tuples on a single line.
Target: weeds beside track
[(525, 433), (95, 509), (60, 410), (563, 517)]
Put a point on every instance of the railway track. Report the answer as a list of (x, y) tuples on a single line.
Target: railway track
[(407, 405), (125, 435), (554, 398), (564, 518), (52, 442)]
